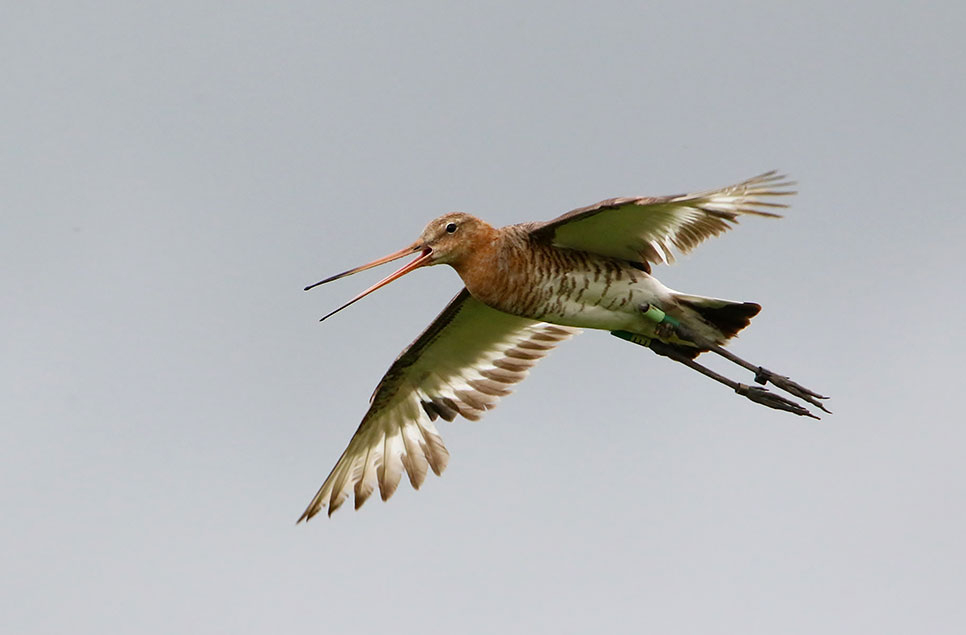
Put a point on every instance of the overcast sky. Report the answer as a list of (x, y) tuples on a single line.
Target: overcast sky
[(171, 176)]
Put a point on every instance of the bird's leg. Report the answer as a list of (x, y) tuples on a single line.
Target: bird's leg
[(764, 376), (755, 393), (668, 325)]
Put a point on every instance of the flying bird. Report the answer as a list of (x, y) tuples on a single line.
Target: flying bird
[(529, 287)]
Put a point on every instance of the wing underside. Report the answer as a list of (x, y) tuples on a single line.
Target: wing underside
[(653, 229), (469, 357)]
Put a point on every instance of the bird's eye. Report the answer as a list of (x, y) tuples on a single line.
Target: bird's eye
[(451, 228)]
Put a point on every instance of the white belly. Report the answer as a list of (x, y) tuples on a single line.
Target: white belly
[(577, 300)]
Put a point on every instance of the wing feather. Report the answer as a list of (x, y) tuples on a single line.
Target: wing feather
[(652, 229), (465, 361), (390, 466)]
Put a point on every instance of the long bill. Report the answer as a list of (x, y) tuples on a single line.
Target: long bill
[(420, 261)]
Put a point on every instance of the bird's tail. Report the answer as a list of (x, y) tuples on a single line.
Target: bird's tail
[(724, 316)]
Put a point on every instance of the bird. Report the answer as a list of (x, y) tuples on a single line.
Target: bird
[(531, 286)]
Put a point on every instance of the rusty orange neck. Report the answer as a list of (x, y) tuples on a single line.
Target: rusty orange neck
[(490, 264), (474, 262)]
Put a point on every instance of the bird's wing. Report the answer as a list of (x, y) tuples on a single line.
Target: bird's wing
[(469, 357), (653, 228)]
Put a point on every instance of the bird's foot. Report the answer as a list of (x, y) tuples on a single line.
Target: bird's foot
[(764, 376), (765, 397)]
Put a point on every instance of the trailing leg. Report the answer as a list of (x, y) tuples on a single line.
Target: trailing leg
[(764, 376), (670, 325), (755, 393)]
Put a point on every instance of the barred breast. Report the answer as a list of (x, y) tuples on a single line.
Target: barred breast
[(566, 286)]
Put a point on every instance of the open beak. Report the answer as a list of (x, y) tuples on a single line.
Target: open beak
[(421, 260)]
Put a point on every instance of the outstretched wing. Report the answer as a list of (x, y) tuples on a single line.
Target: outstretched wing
[(652, 228), (469, 357)]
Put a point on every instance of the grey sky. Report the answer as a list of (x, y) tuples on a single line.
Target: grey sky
[(171, 176)]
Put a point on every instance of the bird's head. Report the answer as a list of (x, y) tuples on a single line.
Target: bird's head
[(449, 239), (452, 238)]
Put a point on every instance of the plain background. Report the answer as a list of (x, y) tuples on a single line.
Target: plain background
[(174, 173)]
